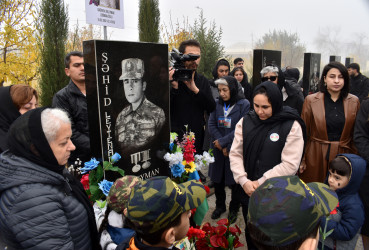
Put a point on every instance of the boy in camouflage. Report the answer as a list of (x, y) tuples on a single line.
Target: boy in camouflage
[(159, 212), (285, 213)]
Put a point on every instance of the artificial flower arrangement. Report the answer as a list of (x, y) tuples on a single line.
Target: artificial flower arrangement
[(93, 179), (183, 162), (222, 236)]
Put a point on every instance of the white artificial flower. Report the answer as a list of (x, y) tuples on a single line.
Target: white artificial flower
[(173, 158), (208, 158)]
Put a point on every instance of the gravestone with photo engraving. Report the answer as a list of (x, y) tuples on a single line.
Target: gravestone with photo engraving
[(311, 73), (128, 104)]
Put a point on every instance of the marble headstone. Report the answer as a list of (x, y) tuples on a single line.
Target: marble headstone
[(128, 104), (311, 73), (262, 58)]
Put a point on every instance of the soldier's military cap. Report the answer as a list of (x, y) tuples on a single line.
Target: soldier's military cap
[(120, 191), (286, 209), (132, 68), (156, 202)]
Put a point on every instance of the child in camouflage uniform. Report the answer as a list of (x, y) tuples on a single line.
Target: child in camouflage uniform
[(159, 212), (285, 213)]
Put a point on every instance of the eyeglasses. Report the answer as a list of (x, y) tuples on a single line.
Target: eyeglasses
[(271, 78)]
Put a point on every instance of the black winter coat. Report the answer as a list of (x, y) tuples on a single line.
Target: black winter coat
[(37, 208), (295, 97), (188, 108), (71, 99), (359, 86), (8, 114), (361, 139)]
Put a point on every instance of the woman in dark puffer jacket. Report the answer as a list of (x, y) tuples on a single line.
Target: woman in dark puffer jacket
[(41, 205)]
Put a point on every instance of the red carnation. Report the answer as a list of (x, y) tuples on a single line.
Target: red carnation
[(85, 182)]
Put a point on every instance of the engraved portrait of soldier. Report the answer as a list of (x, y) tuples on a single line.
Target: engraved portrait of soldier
[(141, 120)]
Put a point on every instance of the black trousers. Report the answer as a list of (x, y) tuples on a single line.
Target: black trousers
[(220, 197), (244, 199)]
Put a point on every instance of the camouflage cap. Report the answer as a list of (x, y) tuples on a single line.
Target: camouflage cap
[(157, 201), (286, 209), (132, 68), (120, 191)]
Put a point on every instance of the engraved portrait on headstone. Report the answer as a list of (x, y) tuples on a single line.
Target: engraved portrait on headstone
[(140, 121), (128, 104)]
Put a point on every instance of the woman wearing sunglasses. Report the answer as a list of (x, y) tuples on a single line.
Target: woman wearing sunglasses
[(330, 117), (292, 94)]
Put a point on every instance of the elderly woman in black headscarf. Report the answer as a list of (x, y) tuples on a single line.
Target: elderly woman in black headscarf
[(230, 108), (268, 142), (41, 205)]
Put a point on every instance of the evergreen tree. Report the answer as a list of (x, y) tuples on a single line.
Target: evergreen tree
[(53, 35), (210, 40), (148, 21)]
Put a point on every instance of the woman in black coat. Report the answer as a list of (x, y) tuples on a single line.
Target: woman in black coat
[(361, 139), (42, 206), (230, 108)]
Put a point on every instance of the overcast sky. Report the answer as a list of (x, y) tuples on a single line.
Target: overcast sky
[(246, 20)]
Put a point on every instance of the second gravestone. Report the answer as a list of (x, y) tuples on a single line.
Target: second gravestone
[(262, 58)]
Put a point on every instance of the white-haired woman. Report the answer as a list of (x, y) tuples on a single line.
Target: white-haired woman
[(41, 205), (291, 91)]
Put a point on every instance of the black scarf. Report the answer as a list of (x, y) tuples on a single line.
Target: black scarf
[(26, 139), (254, 140), (233, 89), (8, 114)]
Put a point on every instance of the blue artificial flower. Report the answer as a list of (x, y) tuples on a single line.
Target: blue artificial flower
[(90, 165), (115, 158), (177, 170), (171, 145), (105, 186)]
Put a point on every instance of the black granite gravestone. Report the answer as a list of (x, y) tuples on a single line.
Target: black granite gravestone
[(348, 61), (263, 57), (311, 73), (334, 58), (128, 104)]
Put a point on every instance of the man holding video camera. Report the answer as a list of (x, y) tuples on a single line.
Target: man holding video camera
[(189, 100)]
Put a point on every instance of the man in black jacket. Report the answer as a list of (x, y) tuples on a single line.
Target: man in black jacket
[(359, 84), (72, 99), (189, 100)]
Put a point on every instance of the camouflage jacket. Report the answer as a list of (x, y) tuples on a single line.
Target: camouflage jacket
[(135, 128)]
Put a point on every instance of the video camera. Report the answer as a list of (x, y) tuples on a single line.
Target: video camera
[(178, 59)]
